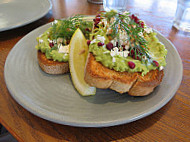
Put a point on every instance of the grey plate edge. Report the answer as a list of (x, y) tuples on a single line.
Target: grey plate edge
[(103, 124), (28, 22)]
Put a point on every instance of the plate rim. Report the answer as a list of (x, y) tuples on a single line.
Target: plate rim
[(29, 21), (94, 124)]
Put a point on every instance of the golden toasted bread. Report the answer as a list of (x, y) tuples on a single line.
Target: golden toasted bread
[(136, 85), (50, 66)]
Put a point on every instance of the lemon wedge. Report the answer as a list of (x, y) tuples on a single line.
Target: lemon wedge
[(77, 60)]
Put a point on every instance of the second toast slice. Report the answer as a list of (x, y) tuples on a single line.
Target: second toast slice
[(136, 85)]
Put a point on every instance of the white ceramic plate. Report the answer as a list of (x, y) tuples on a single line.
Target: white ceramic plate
[(54, 98), (16, 13)]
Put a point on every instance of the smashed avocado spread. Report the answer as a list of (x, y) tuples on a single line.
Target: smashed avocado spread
[(54, 42), (122, 42), (44, 47)]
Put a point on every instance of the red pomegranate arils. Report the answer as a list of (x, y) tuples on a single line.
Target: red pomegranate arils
[(131, 64), (100, 43), (109, 46), (87, 29), (156, 63), (142, 24), (51, 44), (88, 42)]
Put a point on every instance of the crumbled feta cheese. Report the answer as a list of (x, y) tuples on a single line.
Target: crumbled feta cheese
[(40, 35), (123, 37), (59, 40), (134, 26), (113, 60), (126, 47), (112, 53), (148, 30), (141, 34), (50, 40), (115, 52), (161, 68), (41, 40), (54, 41), (100, 38), (63, 49), (65, 55), (144, 57), (93, 41), (115, 49), (54, 22), (120, 53), (125, 53), (109, 31), (113, 42)]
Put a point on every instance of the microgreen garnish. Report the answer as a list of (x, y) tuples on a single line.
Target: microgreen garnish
[(65, 28)]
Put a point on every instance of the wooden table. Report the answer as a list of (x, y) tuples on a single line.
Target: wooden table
[(171, 123)]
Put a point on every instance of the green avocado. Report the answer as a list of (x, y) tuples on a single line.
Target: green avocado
[(128, 39), (61, 29), (43, 46), (156, 50)]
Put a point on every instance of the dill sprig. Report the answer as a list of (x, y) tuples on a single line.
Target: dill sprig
[(137, 43)]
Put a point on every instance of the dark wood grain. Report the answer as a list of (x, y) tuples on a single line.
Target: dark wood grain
[(170, 123)]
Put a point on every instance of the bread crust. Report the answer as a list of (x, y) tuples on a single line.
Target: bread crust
[(136, 85), (50, 66)]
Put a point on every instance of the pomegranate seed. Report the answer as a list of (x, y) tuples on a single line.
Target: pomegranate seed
[(142, 24), (137, 21), (87, 29), (109, 46), (94, 20), (51, 44), (96, 23), (88, 42), (68, 41), (156, 63), (137, 57), (133, 56), (132, 52), (133, 16), (131, 64), (123, 47), (98, 18), (100, 43)]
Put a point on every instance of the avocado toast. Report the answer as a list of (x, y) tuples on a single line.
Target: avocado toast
[(125, 55), (53, 44)]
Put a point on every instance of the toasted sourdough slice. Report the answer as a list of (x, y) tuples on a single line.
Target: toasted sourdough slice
[(136, 85), (50, 66)]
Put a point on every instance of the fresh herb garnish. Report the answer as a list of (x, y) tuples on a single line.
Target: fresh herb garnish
[(123, 22), (66, 28)]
